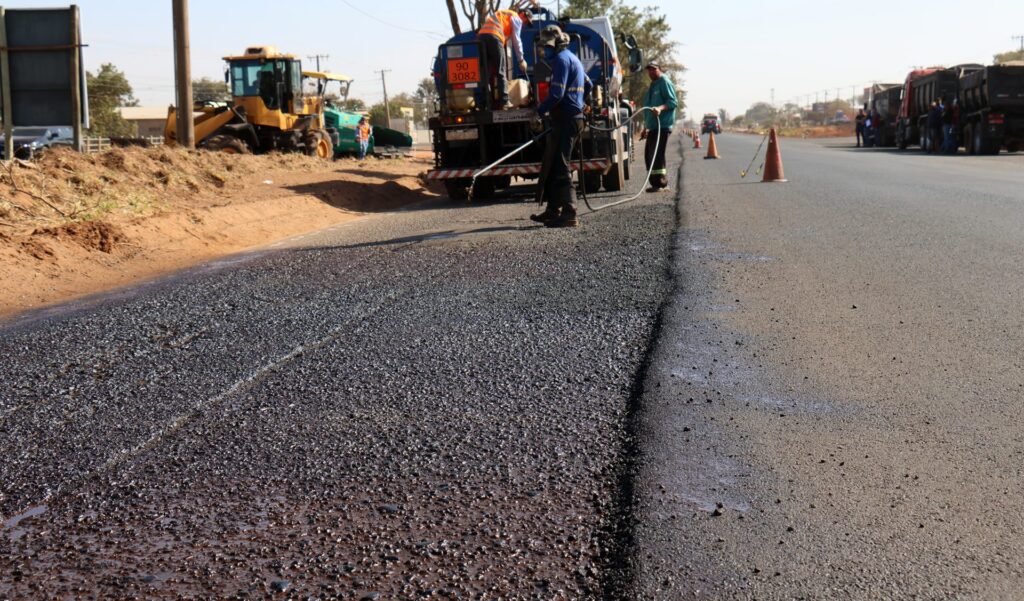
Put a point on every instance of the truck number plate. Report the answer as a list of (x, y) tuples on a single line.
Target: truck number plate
[(464, 70)]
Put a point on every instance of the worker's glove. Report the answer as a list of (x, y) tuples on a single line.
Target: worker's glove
[(536, 124), (523, 67), (643, 134)]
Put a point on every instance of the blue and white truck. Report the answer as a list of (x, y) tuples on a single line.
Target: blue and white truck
[(469, 135)]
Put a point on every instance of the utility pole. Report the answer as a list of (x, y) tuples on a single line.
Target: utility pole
[(317, 57), (183, 76), (1020, 38), (773, 97), (387, 106)]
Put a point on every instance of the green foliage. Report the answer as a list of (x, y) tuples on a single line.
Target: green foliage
[(352, 105), (396, 102), (653, 34), (108, 91), (1005, 57), (210, 90), (426, 95)]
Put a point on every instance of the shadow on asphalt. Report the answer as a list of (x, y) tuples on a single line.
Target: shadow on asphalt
[(914, 152)]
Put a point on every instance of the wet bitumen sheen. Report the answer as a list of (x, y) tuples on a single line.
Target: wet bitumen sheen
[(434, 403)]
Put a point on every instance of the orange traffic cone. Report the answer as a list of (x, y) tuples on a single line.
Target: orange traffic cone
[(712, 147), (773, 161), (696, 141)]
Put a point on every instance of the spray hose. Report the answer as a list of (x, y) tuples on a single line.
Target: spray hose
[(743, 174), (650, 171)]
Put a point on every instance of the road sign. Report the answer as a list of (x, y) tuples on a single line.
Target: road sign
[(42, 78)]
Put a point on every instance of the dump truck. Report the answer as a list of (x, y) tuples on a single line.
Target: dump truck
[(269, 109), (992, 109), (469, 134), (921, 89), (885, 100)]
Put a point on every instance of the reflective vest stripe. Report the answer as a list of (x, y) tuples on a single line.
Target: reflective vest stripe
[(498, 25)]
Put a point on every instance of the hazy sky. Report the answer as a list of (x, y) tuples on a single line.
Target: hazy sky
[(736, 50)]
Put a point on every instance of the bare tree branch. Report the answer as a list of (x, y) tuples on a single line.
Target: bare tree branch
[(454, 16)]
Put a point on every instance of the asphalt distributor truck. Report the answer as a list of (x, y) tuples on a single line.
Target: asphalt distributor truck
[(469, 134)]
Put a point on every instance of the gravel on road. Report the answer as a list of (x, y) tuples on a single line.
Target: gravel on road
[(434, 403)]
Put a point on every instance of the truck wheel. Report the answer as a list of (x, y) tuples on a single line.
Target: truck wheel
[(458, 189), (226, 143), (484, 188), (612, 181), (982, 143), (1013, 147), (969, 139), (901, 138), (592, 181)]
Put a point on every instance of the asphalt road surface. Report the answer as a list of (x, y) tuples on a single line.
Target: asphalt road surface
[(435, 403), (808, 390), (834, 408)]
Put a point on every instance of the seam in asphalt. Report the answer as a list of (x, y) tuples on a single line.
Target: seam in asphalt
[(619, 573), (198, 408)]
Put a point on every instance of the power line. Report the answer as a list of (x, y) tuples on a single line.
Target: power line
[(383, 22)]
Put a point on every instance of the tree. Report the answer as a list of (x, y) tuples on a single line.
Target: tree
[(109, 90), (352, 105), (475, 11), (653, 34), (210, 90), (761, 113), (1005, 57), (426, 95), (723, 115)]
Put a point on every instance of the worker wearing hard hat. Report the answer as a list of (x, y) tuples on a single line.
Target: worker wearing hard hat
[(501, 28), (565, 106)]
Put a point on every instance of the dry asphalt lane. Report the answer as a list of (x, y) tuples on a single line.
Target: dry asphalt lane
[(429, 404), (834, 407)]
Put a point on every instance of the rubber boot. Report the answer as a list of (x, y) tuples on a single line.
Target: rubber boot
[(566, 219), (549, 215)]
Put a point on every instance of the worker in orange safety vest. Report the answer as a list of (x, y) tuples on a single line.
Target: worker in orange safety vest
[(363, 133), (501, 28)]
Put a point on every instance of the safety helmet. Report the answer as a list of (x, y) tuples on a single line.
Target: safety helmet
[(553, 36)]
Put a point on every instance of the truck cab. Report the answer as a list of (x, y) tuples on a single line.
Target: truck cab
[(469, 134)]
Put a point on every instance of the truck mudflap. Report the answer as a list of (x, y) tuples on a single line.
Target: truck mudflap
[(601, 165)]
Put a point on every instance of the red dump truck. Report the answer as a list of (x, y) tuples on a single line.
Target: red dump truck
[(992, 109)]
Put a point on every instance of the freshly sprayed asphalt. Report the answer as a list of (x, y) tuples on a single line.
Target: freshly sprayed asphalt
[(435, 403)]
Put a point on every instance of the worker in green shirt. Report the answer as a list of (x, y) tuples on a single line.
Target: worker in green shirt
[(661, 99)]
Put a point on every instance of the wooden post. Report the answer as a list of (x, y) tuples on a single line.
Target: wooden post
[(5, 88), (76, 79), (186, 134)]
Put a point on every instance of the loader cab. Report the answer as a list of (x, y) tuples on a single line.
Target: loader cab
[(268, 85)]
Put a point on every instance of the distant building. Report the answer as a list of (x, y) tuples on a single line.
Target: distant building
[(149, 120)]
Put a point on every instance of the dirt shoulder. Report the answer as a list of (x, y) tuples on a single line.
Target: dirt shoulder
[(73, 224), (815, 132)]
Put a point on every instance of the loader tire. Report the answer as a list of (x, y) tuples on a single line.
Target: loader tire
[(317, 143), (227, 144)]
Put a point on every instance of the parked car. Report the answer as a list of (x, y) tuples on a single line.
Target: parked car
[(30, 140)]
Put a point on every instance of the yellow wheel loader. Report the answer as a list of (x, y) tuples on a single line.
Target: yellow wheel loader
[(268, 111)]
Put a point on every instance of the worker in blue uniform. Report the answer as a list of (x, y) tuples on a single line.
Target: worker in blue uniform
[(564, 108)]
